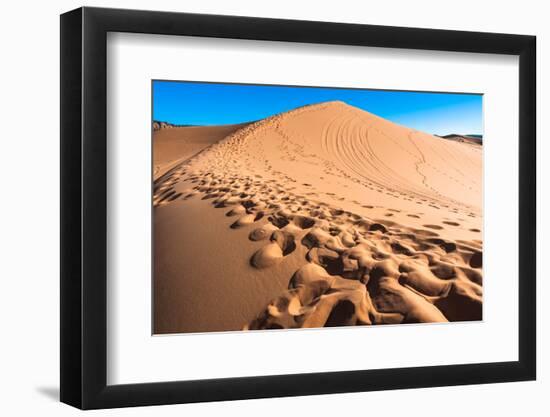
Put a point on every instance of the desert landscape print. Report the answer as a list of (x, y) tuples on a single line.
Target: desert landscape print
[(279, 207)]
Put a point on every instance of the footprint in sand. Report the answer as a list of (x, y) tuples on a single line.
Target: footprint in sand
[(263, 232), (378, 227), (282, 244), (247, 219), (303, 222), (433, 226), (238, 210), (174, 197), (476, 261), (451, 223), (278, 221)]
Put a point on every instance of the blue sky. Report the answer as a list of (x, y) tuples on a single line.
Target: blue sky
[(194, 103)]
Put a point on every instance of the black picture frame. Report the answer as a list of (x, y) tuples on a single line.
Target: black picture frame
[(84, 207)]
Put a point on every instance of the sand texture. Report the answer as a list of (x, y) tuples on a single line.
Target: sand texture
[(173, 144), (326, 215)]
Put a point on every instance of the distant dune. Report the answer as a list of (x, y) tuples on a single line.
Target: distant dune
[(325, 215), (173, 144), (471, 139)]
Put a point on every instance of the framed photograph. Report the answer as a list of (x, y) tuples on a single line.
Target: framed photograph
[(256, 208)]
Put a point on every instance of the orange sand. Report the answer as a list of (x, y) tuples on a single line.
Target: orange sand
[(322, 216)]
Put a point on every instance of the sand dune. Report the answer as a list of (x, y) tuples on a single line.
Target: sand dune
[(173, 144), (473, 140), (326, 215)]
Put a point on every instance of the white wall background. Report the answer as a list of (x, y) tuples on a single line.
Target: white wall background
[(29, 236)]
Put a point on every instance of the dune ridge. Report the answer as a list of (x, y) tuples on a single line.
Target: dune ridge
[(369, 222)]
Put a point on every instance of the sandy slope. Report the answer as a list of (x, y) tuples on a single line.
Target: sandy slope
[(174, 144), (325, 215)]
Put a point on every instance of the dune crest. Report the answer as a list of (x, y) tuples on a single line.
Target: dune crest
[(368, 221)]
